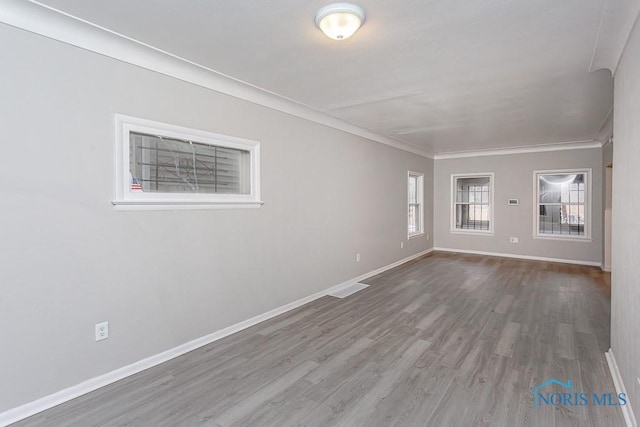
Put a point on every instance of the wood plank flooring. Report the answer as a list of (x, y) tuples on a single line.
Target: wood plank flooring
[(445, 340)]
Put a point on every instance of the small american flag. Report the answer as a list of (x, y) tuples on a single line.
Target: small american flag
[(135, 185)]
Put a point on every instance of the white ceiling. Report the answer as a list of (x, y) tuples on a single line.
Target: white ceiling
[(443, 75)]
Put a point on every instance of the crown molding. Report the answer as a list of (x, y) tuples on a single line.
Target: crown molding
[(616, 23), (575, 145), (54, 24)]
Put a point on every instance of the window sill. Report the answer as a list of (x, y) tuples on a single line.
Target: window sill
[(160, 205), (564, 239), (415, 235), (474, 233)]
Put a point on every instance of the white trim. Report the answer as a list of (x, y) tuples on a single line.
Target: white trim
[(55, 24), (62, 396), (474, 233), (614, 31), (517, 256), (587, 238), (627, 410), (169, 205), (452, 204), (134, 200), (543, 148), (564, 239)]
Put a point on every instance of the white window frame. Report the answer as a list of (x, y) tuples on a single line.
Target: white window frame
[(587, 208), (420, 202), (452, 204), (137, 200)]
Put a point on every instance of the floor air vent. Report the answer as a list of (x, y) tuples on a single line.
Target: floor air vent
[(348, 290)]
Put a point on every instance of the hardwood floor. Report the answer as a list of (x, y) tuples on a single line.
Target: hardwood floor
[(445, 340)]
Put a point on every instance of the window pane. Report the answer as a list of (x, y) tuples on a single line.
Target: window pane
[(562, 219), (462, 194), (415, 190), (473, 203), (562, 204), (548, 191), (472, 217), (168, 165), (413, 183), (472, 189), (414, 214), (561, 188)]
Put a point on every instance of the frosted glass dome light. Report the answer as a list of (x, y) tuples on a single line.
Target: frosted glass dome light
[(340, 21)]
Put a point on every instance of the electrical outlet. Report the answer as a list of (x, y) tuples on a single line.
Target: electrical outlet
[(401, 245), (513, 240), (102, 331), (427, 237), (357, 257)]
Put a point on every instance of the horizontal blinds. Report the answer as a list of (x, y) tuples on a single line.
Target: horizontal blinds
[(167, 165)]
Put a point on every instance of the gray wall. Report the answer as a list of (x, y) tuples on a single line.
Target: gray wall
[(625, 281), (607, 160), (514, 179), (607, 154), (607, 195), (162, 278)]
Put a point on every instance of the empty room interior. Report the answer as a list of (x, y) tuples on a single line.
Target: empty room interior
[(252, 213)]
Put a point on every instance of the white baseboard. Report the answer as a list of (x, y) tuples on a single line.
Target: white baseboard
[(627, 411), (534, 258), (47, 402)]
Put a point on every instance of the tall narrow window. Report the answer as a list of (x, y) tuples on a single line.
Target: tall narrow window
[(562, 208), (170, 167), (472, 203), (415, 193)]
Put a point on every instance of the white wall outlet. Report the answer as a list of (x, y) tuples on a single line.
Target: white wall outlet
[(102, 331), (357, 257), (401, 245), (427, 237), (513, 240)]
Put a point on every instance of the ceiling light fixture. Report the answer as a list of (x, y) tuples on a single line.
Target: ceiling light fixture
[(340, 21)]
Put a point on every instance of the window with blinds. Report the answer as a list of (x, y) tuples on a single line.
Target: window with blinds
[(168, 167), (562, 203), (472, 203)]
